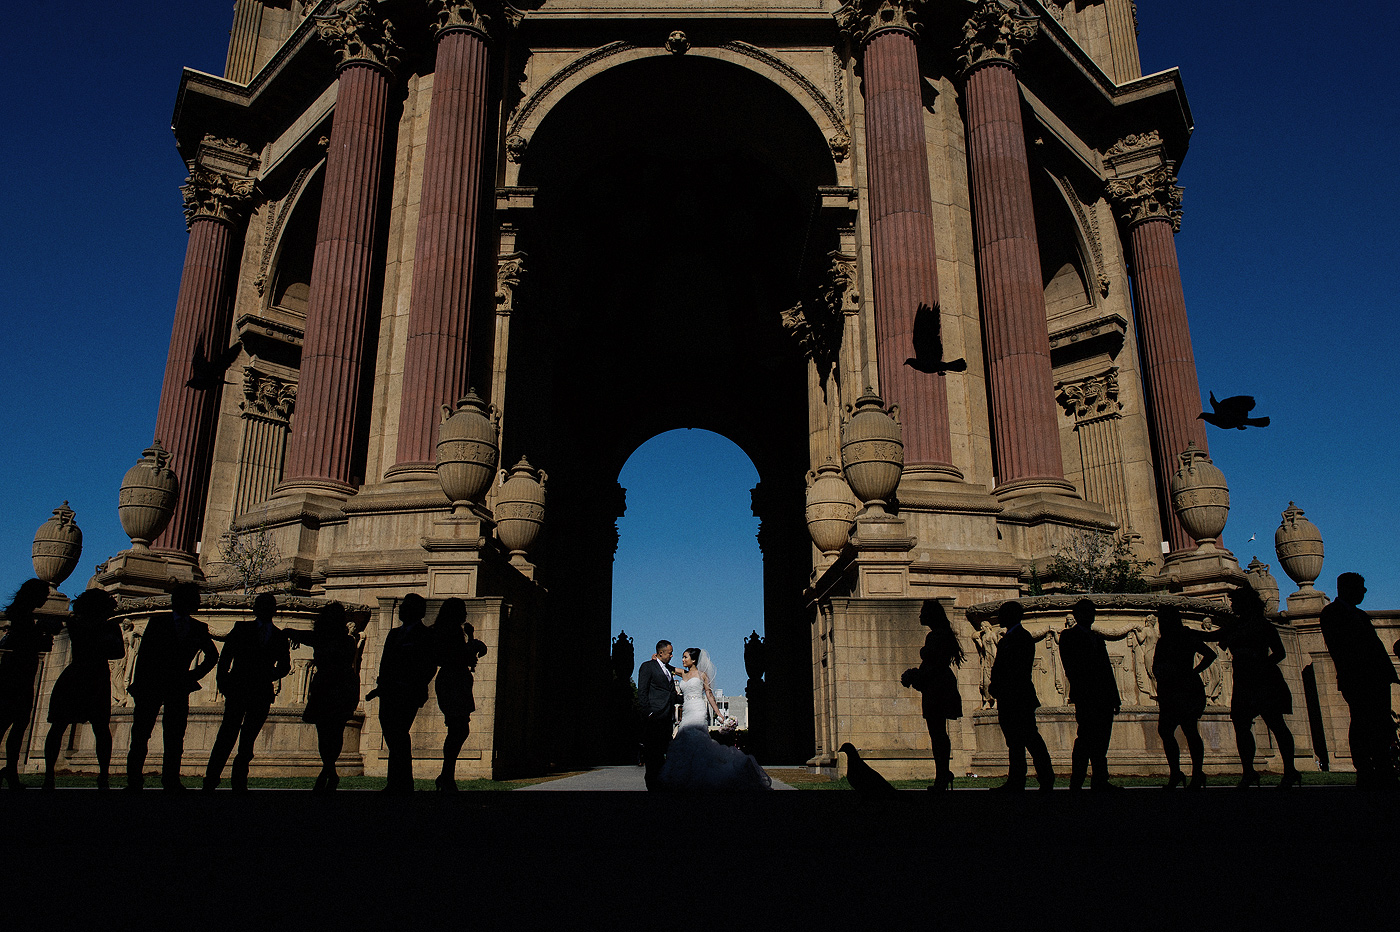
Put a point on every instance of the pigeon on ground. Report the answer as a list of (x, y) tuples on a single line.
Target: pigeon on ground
[(863, 778), (206, 374), (1232, 412), (928, 345)]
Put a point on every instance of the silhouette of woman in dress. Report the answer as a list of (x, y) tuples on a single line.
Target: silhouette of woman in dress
[(20, 648), (334, 692), (457, 654), (1181, 696), (1260, 690), (938, 686), (83, 692)]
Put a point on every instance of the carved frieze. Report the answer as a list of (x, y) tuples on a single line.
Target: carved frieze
[(1092, 398), (510, 268), (359, 31), (215, 194), (861, 19), (267, 396), (995, 32), (1152, 195)]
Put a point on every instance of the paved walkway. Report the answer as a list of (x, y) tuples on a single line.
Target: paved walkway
[(609, 780)]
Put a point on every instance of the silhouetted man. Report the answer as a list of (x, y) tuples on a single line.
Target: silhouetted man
[(163, 680), (1014, 692), (657, 697), (1094, 692), (405, 669), (256, 655), (1364, 676)]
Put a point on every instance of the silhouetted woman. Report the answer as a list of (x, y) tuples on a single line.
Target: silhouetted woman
[(457, 653), (334, 692), (1260, 690), (938, 686), (1181, 696), (20, 648), (83, 692)]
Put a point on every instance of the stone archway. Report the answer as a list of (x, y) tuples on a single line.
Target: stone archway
[(675, 218)]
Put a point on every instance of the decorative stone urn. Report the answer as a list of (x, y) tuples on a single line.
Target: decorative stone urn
[(520, 509), (831, 508), (1200, 496), (1264, 583), (147, 497), (1298, 543), (872, 451), (57, 546), (467, 450)]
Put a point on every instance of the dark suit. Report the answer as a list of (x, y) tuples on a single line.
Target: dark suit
[(405, 669), (1364, 675), (254, 658), (657, 697), (1094, 692), (1014, 692), (163, 679)]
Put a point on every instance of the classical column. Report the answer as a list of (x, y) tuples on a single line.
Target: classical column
[(268, 402), (1024, 423), (1149, 204), (445, 257), (1122, 38), (320, 448), (214, 202), (904, 261), (1097, 413)]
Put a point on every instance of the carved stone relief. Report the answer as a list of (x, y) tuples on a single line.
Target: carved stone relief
[(995, 33), (861, 19), (510, 268), (1091, 398), (209, 193), (1152, 195), (359, 31)]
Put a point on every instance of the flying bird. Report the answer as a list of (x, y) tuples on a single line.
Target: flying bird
[(206, 374), (928, 345), (864, 779), (1232, 412)]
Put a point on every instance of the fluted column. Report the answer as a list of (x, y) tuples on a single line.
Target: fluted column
[(1122, 38), (445, 257), (1021, 387), (903, 257), (214, 203), (321, 445), (1150, 204)]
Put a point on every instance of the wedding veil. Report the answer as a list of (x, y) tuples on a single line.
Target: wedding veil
[(706, 666)]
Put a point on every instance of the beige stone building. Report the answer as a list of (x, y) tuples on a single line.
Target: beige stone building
[(611, 218)]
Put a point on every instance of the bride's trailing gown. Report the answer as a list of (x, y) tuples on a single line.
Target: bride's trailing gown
[(696, 761)]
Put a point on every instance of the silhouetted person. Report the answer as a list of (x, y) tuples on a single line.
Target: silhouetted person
[(1260, 690), (163, 680), (1181, 696), (938, 686), (457, 654), (26, 639), (1233, 412), (334, 692), (405, 669), (863, 778), (1014, 692), (928, 344), (657, 698), (1094, 693), (1364, 676), (83, 692), (256, 655)]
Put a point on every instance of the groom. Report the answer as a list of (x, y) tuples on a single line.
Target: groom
[(657, 697)]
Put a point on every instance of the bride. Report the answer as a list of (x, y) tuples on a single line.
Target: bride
[(695, 761)]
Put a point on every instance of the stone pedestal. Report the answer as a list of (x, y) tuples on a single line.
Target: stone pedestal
[(456, 550), (139, 574)]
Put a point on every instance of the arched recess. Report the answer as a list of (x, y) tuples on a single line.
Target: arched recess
[(1068, 272), (673, 221)]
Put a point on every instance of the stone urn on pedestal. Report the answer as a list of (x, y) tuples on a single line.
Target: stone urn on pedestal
[(520, 510), (147, 497), (872, 452), (1298, 544), (1200, 497), (1264, 583), (831, 510), (57, 546), (467, 451)]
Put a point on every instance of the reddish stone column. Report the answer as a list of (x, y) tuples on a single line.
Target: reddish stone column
[(445, 257), (1025, 426), (904, 260)]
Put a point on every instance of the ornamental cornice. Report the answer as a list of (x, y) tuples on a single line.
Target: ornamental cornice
[(215, 195), (484, 17), (1151, 195), (359, 33), (859, 20), (995, 32)]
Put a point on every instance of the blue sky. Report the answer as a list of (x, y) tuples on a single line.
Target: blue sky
[(1289, 251)]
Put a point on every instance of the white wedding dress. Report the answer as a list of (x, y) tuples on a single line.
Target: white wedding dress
[(695, 761)]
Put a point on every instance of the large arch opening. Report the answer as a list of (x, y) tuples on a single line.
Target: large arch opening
[(673, 223)]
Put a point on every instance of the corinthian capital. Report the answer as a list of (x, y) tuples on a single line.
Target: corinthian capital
[(995, 32), (359, 31), (214, 194), (861, 19), (1152, 195), (489, 18)]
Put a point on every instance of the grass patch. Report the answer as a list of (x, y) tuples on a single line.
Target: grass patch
[(807, 781), (89, 781)]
